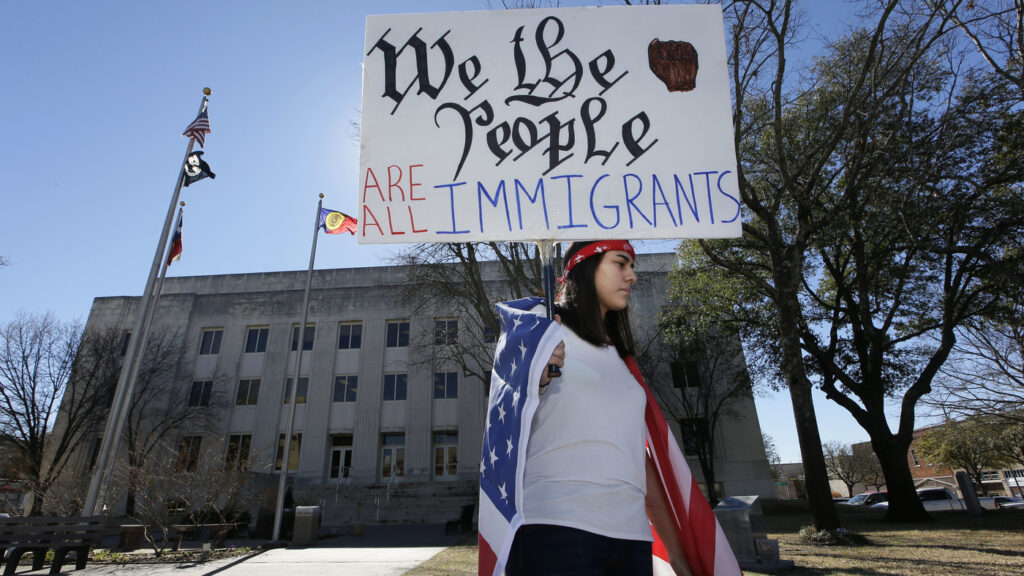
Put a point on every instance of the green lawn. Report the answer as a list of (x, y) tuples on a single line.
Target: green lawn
[(954, 544)]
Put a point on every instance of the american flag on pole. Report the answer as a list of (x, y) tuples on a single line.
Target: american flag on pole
[(199, 127), (527, 341)]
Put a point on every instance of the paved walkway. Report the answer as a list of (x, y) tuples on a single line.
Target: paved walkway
[(380, 551)]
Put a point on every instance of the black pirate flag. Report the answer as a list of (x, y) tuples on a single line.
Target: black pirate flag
[(196, 168)]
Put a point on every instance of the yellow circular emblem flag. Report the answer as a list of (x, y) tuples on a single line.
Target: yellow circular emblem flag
[(334, 220)]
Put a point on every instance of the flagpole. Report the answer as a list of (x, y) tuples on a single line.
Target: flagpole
[(135, 367), (126, 381), (279, 509), (547, 249)]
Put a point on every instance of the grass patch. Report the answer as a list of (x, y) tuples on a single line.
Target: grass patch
[(954, 544), (191, 556), (458, 559)]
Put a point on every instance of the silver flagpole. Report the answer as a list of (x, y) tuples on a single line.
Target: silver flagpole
[(134, 374), (126, 381), (279, 510)]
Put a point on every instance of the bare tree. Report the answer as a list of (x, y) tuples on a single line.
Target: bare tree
[(851, 464), (985, 375), (187, 483), (771, 452), (465, 281), (37, 360), (161, 408), (996, 28), (707, 376)]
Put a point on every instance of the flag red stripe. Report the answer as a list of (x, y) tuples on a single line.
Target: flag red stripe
[(487, 559), (695, 522)]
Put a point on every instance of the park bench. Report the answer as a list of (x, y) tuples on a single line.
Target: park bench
[(216, 533), (63, 534)]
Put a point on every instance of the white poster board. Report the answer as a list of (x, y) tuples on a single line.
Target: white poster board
[(560, 124)]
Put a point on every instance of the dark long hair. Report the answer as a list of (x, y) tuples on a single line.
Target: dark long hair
[(580, 308)]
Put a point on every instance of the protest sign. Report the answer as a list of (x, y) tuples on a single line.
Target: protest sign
[(554, 124)]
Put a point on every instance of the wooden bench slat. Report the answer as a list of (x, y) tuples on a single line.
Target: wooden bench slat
[(39, 534)]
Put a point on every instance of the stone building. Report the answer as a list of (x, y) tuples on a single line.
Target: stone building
[(378, 399)]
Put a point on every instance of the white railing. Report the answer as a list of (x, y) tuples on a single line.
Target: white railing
[(391, 484)]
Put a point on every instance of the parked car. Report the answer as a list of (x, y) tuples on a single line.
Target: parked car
[(934, 499), (996, 502), (867, 499)]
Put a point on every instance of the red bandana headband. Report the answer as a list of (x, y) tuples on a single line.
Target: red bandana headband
[(597, 248)]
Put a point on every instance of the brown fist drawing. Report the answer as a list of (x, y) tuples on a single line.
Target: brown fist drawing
[(675, 63)]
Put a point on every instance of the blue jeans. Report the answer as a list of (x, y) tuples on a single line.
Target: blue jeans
[(543, 550)]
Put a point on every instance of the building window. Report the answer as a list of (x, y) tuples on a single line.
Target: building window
[(307, 337), (256, 340), (350, 336), (685, 374), (341, 456), (345, 388), (210, 343), (446, 331), (200, 395), (392, 455), (395, 386), (487, 382), (913, 456), (397, 334), (237, 457), (188, 453), (446, 460), (293, 451), (446, 385), (694, 432), (300, 393), (248, 392), (490, 336), (126, 339)]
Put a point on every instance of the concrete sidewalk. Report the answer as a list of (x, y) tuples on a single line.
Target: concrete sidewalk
[(380, 551)]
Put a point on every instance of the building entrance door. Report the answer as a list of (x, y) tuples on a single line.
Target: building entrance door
[(341, 456)]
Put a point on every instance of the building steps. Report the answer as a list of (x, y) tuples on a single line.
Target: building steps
[(401, 503)]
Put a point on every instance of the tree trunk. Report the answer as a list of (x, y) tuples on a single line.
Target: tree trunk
[(904, 505), (35, 507), (709, 481), (819, 493)]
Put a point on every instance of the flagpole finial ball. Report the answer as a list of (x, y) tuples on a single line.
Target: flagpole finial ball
[(207, 91), (182, 203), (321, 195)]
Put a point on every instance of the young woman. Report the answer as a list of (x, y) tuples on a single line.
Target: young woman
[(590, 491)]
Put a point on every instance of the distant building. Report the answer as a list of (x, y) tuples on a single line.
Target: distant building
[(375, 400), (1008, 482), (791, 482)]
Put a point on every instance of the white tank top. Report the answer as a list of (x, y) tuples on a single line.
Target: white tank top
[(585, 462)]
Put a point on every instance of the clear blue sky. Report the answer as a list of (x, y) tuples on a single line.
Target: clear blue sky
[(97, 93)]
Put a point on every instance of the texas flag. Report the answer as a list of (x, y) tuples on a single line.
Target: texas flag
[(175, 254), (527, 341)]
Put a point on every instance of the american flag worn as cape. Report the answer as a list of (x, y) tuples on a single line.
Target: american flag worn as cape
[(527, 341)]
